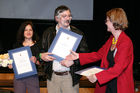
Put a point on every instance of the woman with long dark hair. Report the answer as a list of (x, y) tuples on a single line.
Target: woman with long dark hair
[(26, 36)]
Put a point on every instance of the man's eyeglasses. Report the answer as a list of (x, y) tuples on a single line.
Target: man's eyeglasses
[(65, 16)]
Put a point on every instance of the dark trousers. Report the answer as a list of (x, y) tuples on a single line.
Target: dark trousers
[(30, 83)]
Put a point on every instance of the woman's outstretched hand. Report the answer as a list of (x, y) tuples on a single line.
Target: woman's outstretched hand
[(72, 56)]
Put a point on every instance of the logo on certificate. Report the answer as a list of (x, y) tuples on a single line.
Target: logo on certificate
[(67, 38)]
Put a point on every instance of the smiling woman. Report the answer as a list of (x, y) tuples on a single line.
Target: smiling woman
[(26, 36)]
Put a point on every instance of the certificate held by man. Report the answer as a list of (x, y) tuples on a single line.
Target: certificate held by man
[(63, 42), (22, 65)]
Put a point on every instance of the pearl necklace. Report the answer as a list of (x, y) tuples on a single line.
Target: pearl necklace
[(114, 42)]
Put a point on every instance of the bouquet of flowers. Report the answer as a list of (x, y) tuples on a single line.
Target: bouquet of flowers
[(5, 60)]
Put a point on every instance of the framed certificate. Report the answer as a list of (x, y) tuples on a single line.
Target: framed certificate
[(63, 42), (89, 71), (22, 65)]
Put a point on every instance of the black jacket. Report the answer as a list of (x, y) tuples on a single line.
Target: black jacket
[(47, 39)]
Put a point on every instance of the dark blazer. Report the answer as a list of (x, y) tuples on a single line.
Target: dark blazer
[(47, 39)]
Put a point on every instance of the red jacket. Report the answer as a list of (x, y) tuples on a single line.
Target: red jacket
[(122, 69)]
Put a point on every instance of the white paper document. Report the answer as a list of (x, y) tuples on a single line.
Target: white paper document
[(64, 41), (22, 62), (64, 45), (89, 71)]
